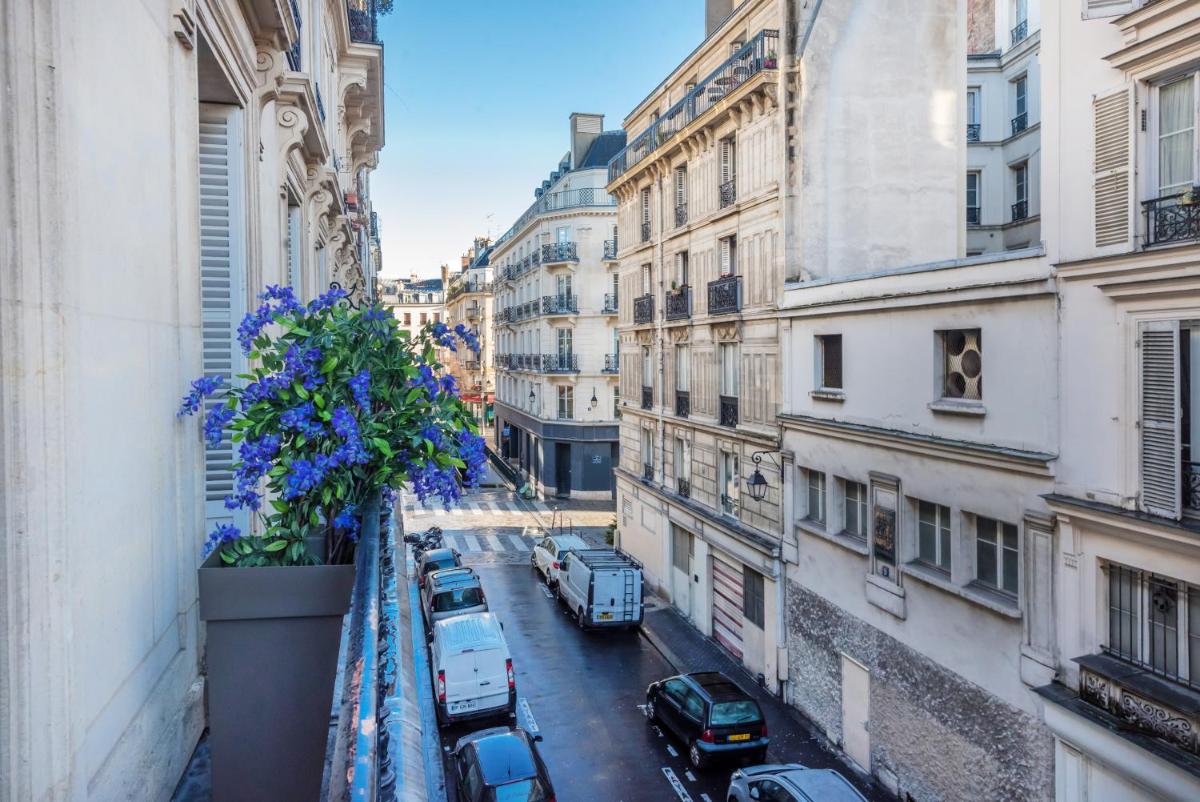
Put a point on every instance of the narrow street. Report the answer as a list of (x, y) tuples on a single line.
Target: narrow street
[(582, 691)]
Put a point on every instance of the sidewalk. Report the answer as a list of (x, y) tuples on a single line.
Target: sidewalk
[(794, 739)]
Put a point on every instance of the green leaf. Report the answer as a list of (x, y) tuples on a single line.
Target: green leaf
[(227, 558), (278, 545), (326, 496), (413, 394), (313, 518), (329, 364), (300, 391), (383, 446), (280, 506), (318, 400), (456, 462)]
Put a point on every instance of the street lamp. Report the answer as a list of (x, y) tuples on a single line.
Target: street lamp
[(594, 400), (757, 484)]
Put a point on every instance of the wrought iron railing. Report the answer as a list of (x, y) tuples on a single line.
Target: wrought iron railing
[(683, 403), (560, 304), (612, 363), (728, 191), (757, 55), (972, 132), (610, 303), (728, 410), (678, 304), (645, 231), (472, 313), (683, 487), (648, 472), (1019, 33), (320, 103), (559, 252), (375, 227), (647, 397), (681, 217), (725, 295), (557, 201), (364, 21), (519, 312), (973, 215), (1020, 210), (1147, 634), (472, 364), (610, 249), (293, 55), (1191, 490), (1020, 122), (1170, 219), (560, 363), (643, 309)]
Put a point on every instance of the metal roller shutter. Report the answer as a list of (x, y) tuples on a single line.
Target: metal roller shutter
[(727, 606)]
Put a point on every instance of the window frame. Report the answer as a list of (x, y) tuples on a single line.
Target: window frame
[(861, 508), (1155, 136), (753, 597), (942, 533), (729, 483), (1001, 584), (821, 358), (1186, 623), (729, 369), (566, 402), (822, 489), (978, 192)]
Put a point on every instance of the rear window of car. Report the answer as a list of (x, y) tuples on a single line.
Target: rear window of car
[(457, 599), (726, 714), (523, 791), (437, 565)]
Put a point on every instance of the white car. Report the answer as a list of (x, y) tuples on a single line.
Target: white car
[(548, 554)]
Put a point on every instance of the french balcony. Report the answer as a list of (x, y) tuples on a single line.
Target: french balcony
[(610, 303), (681, 216), (647, 472), (1191, 486), (728, 411), (610, 250), (1020, 210), (557, 202), (728, 192), (678, 304), (1019, 33), (1020, 122), (473, 313), (1173, 218), (560, 305), (612, 363), (683, 403), (647, 397), (972, 215), (559, 253), (725, 295), (364, 21), (560, 363), (973, 132), (683, 487), (643, 309), (472, 365), (646, 231)]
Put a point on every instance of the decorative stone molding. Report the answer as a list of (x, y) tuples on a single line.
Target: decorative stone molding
[(1151, 704), (727, 332)]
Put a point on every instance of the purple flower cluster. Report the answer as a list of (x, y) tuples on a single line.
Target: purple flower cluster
[(449, 385), (360, 386), (468, 336), (224, 533), (215, 422), (426, 379), (351, 451), (348, 519), (376, 313), (430, 479), (302, 366), (201, 389), (304, 475), (445, 337), (254, 322), (326, 301), (472, 451), (302, 419), (256, 459)]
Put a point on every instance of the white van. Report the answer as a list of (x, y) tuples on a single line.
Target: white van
[(602, 587), (472, 669)]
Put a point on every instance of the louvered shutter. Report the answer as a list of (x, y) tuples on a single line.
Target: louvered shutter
[(222, 288), (293, 249), (1113, 125), (646, 205), (728, 156), (1095, 9), (680, 186), (1161, 453), (726, 247)]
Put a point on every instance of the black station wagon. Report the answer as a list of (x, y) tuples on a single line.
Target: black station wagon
[(712, 715)]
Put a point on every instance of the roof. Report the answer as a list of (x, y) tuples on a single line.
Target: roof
[(569, 541), (437, 554), (505, 757), (471, 631), (825, 785), (453, 576), (603, 148), (718, 686), (594, 558)]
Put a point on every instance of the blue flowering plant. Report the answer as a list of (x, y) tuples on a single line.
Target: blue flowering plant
[(340, 403)]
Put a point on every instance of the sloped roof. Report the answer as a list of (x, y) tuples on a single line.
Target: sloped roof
[(603, 148)]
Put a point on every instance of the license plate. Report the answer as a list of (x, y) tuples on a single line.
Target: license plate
[(742, 736), (605, 616), (459, 707)]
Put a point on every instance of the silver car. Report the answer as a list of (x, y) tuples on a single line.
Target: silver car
[(790, 783), (450, 592)]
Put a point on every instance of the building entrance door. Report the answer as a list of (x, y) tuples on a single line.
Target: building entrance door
[(683, 565), (562, 470), (856, 712)]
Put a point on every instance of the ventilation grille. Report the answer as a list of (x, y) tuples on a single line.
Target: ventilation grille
[(964, 364)]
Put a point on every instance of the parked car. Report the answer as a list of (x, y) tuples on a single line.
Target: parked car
[(790, 783), (436, 560), (550, 551), (602, 587), (472, 670), (501, 764), (711, 715), (450, 592)]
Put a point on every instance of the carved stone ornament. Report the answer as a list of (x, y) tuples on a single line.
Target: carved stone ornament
[(727, 332), (1158, 720)]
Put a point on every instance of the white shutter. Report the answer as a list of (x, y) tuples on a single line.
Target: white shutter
[(680, 186), (726, 260), (646, 205), (1095, 9), (1113, 126), (728, 160), (293, 249), (222, 287), (1160, 409)]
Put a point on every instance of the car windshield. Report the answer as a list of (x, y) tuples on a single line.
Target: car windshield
[(726, 714), (523, 791), (457, 599), (437, 565)]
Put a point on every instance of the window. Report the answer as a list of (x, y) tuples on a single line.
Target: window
[(693, 705), (973, 114), (1020, 120), (854, 499), (729, 483), (562, 234), (647, 288), (728, 160), (829, 361), (962, 364), (565, 342), (683, 459), (1020, 209), (424, 318), (1176, 136), (973, 196), (645, 214), (730, 368), (996, 554), (681, 213), (1169, 356), (564, 286), (728, 256), (815, 482), (437, 317), (647, 367), (681, 268), (753, 598), (1154, 621), (408, 318), (933, 535), (566, 402), (681, 550), (648, 452), (682, 362)]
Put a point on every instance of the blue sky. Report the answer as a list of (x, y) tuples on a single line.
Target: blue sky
[(478, 95)]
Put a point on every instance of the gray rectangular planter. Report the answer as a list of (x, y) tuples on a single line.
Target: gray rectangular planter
[(272, 651)]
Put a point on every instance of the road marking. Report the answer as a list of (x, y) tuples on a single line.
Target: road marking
[(494, 542), (691, 777), (680, 791), (531, 724), (671, 749), (658, 730), (472, 543), (456, 511), (477, 511), (440, 512), (451, 542), (705, 798), (519, 542), (546, 590)]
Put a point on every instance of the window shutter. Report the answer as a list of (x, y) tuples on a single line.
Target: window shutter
[(293, 249), (1095, 9), (1161, 453), (726, 160), (646, 205), (725, 260), (222, 289), (1111, 176), (680, 187)]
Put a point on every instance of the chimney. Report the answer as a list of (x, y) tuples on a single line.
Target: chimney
[(584, 130), (466, 260), (445, 275), (715, 12)]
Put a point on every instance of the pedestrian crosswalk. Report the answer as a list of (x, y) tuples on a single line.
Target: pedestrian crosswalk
[(481, 524), (468, 544), (470, 507)]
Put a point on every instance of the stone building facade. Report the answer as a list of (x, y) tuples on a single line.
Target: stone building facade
[(556, 305), (414, 302), (163, 162), (470, 300)]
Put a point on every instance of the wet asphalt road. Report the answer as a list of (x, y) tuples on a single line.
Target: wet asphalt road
[(583, 691)]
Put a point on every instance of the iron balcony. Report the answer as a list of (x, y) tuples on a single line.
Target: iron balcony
[(683, 487), (647, 397), (647, 472), (725, 295), (643, 309), (1020, 210), (560, 363), (364, 18), (560, 305), (678, 304), (558, 201), (973, 215), (557, 252), (610, 250), (612, 363), (728, 193), (645, 231), (729, 411), (1020, 122), (1172, 218), (681, 217), (683, 403), (610, 303), (1018, 34), (972, 132)]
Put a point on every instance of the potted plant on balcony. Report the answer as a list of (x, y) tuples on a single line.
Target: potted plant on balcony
[(338, 410), (1190, 197), (770, 62)]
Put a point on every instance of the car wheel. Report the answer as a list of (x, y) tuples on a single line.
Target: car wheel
[(579, 618), (696, 757), (550, 583), (651, 713)]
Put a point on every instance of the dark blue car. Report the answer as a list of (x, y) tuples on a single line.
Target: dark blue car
[(501, 764)]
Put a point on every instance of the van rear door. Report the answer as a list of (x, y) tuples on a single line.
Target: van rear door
[(616, 595), (491, 674)]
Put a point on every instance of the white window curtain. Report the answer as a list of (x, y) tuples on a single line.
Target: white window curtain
[(1176, 136), (681, 368), (729, 369)]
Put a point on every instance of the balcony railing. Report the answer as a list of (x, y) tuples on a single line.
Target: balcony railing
[(678, 304), (648, 472), (610, 249), (683, 403), (754, 57), (560, 363), (610, 303), (612, 363), (560, 305), (293, 55), (645, 231), (557, 201), (972, 132), (1019, 33), (1020, 122), (472, 364), (643, 309), (728, 193), (683, 487), (1020, 210), (1191, 485), (519, 312), (729, 410), (559, 252), (725, 295), (472, 313), (973, 215), (680, 215), (364, 20), (647, 397), (1170, 219)]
